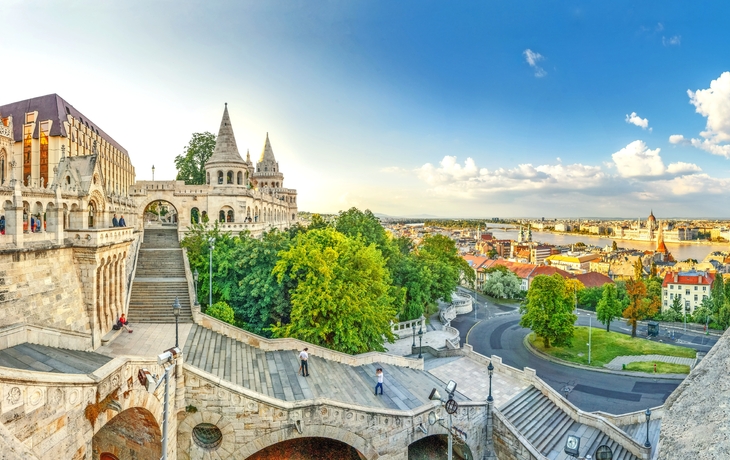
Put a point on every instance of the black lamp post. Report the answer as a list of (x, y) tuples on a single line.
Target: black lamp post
[(648, 418), (490, 369), (153, 173), (413, 326), (176, 311), (195, 282), (420, 342)]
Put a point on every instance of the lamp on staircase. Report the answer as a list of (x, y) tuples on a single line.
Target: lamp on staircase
[(176, 312), (195, 284)]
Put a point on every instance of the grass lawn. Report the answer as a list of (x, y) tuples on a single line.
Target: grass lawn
[(661, 367), (607, 345)]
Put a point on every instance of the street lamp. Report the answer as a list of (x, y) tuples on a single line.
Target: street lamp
[(420, 342), (211, 245), (195, 282), (176, 312), (490, 370), (413, 327), (648, 418), (153, 172)]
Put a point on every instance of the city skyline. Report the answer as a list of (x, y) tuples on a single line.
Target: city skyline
[(410, 109)]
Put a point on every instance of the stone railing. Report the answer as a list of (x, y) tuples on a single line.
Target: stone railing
[(447, 314), (265, 344), (509, 444), (632, 417), (455, 340), (16, 334), (98, 236), (529, 376), (462, 303), (408, 328)]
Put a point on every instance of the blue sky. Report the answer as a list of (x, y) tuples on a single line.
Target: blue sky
[(473, 109)]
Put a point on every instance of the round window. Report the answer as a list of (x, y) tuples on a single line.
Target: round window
[(207, 436)]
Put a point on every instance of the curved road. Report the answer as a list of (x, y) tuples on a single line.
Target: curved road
[(496, 331)]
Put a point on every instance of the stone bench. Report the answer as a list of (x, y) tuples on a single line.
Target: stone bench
[(111, 335)]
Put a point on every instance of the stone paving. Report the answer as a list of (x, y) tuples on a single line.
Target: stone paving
[(618, 362), (147, 340), (473, 381)]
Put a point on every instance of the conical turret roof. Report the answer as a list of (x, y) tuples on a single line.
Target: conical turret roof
[(267, 154), (226, 150)]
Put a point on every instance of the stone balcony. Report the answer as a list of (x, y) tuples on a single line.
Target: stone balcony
[(92, 237)]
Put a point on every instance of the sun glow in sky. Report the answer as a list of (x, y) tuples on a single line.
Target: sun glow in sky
[(455, 109)]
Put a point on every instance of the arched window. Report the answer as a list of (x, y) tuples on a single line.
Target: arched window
[(220, 177), (68, 180), (92, 214), (240, 178), (207, 178), (230, 216), (229, 177), (3, 167), (222, 216), (194, 216)]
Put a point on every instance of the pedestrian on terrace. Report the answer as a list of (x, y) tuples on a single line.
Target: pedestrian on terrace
[(304, 367)]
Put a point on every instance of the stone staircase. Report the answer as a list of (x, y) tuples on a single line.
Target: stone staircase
[(546, 426), (159, 279), (275, 374)]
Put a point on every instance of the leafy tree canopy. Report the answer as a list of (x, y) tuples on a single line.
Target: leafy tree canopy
[(609, 307), (440, 255), (221, 311), (364, 224), (547, 311), (191, 164), (341, 299), (502, 285), (640, 306)]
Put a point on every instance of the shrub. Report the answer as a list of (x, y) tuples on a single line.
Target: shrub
[(221, 311)]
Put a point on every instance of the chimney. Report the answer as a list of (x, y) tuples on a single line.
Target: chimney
[(675, 278)]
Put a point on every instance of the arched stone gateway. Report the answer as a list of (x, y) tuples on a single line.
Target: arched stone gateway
[(159, 213), (435, 447), (133, 433), (359, 444), (308, 449)]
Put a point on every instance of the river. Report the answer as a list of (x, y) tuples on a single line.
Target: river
[(680, 251)]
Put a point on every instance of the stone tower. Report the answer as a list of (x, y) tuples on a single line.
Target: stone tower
[(225, 166), (267, 173)]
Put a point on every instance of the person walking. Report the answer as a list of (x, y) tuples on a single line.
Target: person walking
[(303, 357), (115, 221), (379, 376)]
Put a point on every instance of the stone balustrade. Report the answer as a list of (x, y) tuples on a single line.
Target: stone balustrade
[(98, 236), (408, 328)]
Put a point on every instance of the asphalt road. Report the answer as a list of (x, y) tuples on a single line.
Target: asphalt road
[(496, 331)]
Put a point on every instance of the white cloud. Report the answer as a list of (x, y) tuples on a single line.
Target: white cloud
[(678, 139), (675, 40), (532, 59), (714, 104), (393, 170), (637, 160), (636, 120)]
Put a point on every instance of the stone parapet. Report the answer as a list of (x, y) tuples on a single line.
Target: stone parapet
[(265, 344), (19, 333), (509, 444), (98, 236)]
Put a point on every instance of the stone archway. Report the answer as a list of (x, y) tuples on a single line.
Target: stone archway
[(133, 433), (160, 213), (435, 447), (308, 449), (361, 445)]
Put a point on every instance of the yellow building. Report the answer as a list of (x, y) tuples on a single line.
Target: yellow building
[(47, 128)]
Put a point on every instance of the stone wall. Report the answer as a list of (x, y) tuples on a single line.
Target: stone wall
[(250, 422), (509, 444), (41, 287), (696, 419), (51, 414)]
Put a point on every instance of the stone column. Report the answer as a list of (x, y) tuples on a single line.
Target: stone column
[(14, 223), (122, 283), (107, 297)]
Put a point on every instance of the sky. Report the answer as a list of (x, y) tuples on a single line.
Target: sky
[(411, 108)]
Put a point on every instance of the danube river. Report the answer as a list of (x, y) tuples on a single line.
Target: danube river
[(680, 251)]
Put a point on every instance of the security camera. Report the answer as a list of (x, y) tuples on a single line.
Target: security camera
[(168, 355)]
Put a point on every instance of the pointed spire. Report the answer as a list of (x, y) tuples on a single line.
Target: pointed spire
[(267, 154), (248, 156), (226, 150)]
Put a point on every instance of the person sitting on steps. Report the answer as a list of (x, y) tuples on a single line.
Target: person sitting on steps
[(123, 323)]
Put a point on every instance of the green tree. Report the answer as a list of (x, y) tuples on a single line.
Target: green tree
[(547, 311), (502, 285), (191, 164), (638, 269), (196, 242), (498, 268), (609, 307), (614, 246), (317, 222), (588, 298), (341, 295), (221, 311), (440, 256), (364, 224)]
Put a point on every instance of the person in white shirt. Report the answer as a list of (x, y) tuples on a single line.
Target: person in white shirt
[(304, 368), (379, 375)]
